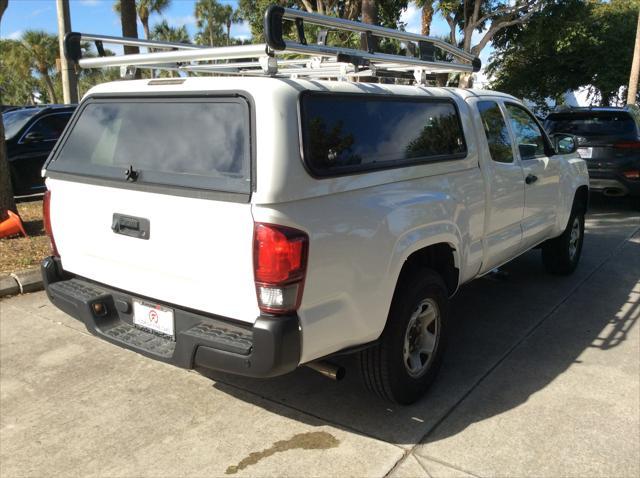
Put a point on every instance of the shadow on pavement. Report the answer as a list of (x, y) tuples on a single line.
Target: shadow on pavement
[(490, 318)]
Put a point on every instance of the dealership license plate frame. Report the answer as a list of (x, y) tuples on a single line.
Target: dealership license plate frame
[(155, 318)]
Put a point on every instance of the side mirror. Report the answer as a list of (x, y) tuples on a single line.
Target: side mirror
[(564, 143), (33, 137)]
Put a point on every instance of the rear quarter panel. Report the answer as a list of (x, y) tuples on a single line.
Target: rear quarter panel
[(362, 227), (573, 175)]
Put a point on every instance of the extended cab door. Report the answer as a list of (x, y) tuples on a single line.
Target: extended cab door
[(541, 172), (505, 187)]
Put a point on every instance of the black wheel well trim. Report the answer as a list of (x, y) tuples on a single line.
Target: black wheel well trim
[(438, 257), (581, 197)]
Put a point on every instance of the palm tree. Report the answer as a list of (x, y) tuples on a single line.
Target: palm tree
[(43, 51), (427, 15), (144, 9), (164, 32), (127, 11), (230, 16), (209, 18)]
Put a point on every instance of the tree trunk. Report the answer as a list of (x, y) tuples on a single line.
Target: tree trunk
[(228, 34), (442, 79), (50, 88), (369, 12), (128, 19), (466, 80), (6, 191), (427, 16), (634, 76), (145, 27), (370, 15)]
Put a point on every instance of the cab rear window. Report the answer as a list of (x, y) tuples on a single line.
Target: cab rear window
[(599, 123), (201, 143), (351, 133)]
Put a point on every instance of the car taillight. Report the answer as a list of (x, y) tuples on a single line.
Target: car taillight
[(627, 145), (279, 266), (632, 174), (46, 218)]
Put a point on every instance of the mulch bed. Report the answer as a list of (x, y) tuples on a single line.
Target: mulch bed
[(18, 253)]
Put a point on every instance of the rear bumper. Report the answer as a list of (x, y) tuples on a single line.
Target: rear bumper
[(613, 182), (615, 186), (269, 348)]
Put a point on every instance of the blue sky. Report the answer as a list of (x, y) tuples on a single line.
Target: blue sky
[(97, 16)]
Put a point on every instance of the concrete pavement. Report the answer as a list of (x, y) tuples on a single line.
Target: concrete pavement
[(541, 379)]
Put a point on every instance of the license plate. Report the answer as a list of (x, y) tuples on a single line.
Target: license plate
[(585, 153), (153, 317)]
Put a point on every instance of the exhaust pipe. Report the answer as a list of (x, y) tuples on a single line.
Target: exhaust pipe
[(613, 192), (329, 370)]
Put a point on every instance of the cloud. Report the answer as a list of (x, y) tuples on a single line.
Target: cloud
[(412, 17), (179, 21), (14, 36), (40, 11), (241, 30)]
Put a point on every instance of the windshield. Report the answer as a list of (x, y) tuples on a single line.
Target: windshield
[(16, 119), (200, 143), (591, 123)]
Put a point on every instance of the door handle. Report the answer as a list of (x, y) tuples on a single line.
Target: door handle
[(137, 227), (530, 179)]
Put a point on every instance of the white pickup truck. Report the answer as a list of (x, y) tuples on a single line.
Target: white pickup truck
[(255, 225)]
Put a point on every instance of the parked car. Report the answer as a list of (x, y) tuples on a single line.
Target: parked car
[(254, 225), (609, 141), (30, 133)]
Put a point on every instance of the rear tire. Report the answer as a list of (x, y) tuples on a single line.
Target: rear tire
[(402, 366), (560, 256)]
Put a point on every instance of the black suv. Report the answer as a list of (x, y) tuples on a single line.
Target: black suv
[(31, 132), (609, 141)]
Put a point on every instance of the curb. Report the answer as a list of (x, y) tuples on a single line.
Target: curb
[(21, 282)]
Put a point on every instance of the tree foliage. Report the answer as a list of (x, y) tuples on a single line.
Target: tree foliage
[(42, 51), (214, 21), (144, 9), (568, 45), (17, 85), (387, 12)]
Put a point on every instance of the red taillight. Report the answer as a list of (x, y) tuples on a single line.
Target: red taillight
[(46, 218), (279, 265), (632, 174), (627, 145)]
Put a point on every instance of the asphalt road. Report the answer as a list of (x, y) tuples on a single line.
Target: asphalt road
[(541, 378)]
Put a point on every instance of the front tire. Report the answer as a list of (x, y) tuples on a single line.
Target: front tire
[(402, 366), (560, 256)]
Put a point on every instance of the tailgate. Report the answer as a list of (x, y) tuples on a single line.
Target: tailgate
[(189, 191), (198, 253)]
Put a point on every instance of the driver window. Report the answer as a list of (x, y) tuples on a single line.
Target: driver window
[(527, 132), (50, 127)]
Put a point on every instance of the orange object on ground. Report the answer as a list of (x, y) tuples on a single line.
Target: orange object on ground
[(11, 226)]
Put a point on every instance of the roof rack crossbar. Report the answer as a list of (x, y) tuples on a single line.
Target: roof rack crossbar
[(180, 56), (140, 42)]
